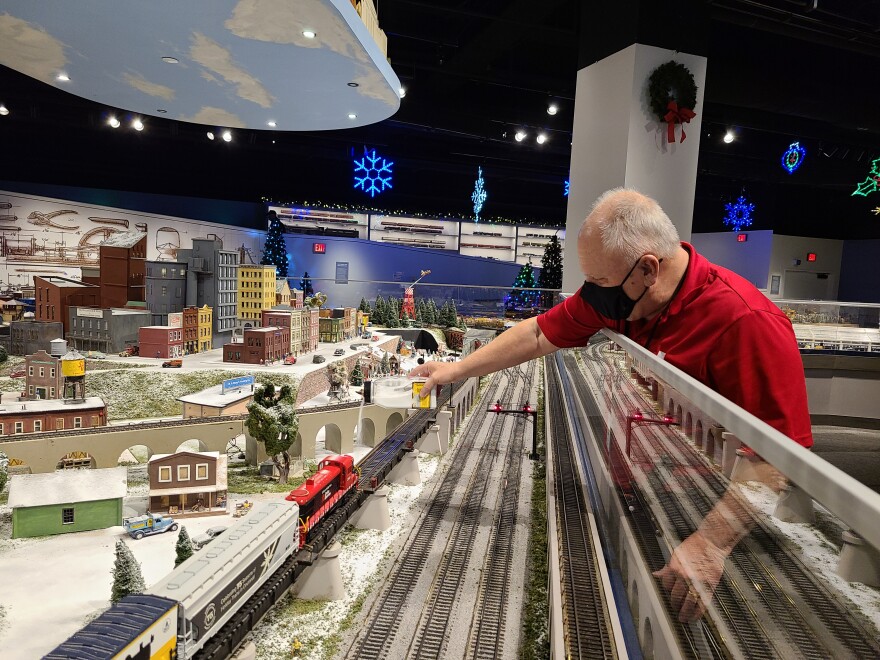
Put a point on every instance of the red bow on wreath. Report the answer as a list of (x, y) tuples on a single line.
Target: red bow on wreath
[(676, 115)]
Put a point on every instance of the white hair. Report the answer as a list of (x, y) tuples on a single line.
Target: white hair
[(631, 224)]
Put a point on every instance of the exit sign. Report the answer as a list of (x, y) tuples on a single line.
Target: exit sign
[(811, 256), (742, 238), (319, 248)]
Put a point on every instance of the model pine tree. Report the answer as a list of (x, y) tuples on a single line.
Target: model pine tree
[(357, 375), (364, 306), (275, 252), (184, 547), (378, 315), (525, 279), (551, 270), (272, 421), (431, 312), (127, 577), (305, 285)]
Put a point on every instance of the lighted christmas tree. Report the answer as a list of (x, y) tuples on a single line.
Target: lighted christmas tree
[(275, 252), (305, 285), (551, 270), (357, 375), (520, 297)]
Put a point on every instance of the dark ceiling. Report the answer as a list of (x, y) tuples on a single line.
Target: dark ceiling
[(475, 72)]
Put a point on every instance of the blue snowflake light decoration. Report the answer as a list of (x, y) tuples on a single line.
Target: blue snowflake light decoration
[(794, 157), (376, 173), (478, 197), (739, 215), (567, 187)]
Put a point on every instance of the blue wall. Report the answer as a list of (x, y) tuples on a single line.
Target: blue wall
[(859, 280), (392, 264)]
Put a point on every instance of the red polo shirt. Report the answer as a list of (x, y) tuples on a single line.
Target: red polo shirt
[(718, 329)]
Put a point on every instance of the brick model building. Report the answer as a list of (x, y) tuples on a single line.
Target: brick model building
[(56, 295), (259, 345), (29, 335), (256, 292), (190, 330), (206, 329), (42, 373), (187, 481), (123, 258), (161, 341)]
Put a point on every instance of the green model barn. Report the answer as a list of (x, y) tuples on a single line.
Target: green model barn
[(66, 501)]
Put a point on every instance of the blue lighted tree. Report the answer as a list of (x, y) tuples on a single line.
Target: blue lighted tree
[(478, 197), (275, 252), (520, 297)]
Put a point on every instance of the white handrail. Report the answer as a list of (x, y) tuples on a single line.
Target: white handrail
[(851, 501)]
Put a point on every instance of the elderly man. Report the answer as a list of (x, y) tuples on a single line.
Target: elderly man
[(641, 281)]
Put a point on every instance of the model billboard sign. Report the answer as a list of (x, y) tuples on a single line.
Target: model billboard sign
[(238, 383)]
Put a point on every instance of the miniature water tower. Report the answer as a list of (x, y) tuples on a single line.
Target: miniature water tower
[(57, 347), (73, 371)]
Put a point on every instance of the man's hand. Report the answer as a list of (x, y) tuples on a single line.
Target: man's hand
[(691, 576), (438, 373)]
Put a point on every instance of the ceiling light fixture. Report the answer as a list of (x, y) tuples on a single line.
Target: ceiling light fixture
[(170, 60), (520, 136), (3, 110), (210, 135), (62, 77), (113, 122), (271, 124), (352, 84), (728, 137), (309, 34), (161, 111), (401, 92), (137, 124), (541, 138), (227, 136), (351, 115), (552, 109)]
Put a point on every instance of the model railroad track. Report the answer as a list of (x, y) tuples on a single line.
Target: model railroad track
[(383, 457), (383, 626), (487, 636), (432, 636), (697, 642), (768, 573), (587, 626)]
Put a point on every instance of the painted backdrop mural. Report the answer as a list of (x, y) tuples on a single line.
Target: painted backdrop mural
[(45, 236)]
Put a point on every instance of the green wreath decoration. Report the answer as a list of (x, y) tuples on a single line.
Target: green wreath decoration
[(671, 82)]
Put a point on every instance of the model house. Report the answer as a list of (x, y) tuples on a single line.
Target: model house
[(188, 482)]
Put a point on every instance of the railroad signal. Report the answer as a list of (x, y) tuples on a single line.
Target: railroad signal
[(527, 408), (497, 407)]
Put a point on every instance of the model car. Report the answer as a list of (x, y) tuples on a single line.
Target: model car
[(210, 534), (147, 525), (98, 355), (173, 364), (290, 359), (338, 352), (318, 359), (18, 373)]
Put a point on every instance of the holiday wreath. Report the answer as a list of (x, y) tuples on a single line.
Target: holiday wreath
[(673, 95)]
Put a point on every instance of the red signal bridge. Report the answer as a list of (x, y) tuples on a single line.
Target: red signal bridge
[(638, 418), (526, 411)]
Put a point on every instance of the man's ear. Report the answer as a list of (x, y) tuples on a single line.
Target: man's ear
[(650, 268)]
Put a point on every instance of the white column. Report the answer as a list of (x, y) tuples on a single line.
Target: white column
[(617, 141)]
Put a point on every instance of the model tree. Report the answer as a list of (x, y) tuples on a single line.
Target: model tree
[(305, 285), (272, 421), (127, 577), (385, 365), (551, 270), (357, 375), (4, 470), (184, 547), (420, 314), (364, 306), (275, 252), (431, 312), (4, 354), (378, 315), (519, 297)]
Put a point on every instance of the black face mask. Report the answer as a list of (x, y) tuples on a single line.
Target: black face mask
[(611, 301)]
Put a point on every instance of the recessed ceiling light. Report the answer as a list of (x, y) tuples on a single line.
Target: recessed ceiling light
[(541, 138), (137, 125), (352, 84), (170, 60), (3, 110), (273, 141), (62, 77), (401, 92), (520, 136), (113, 122), (210, 135), (161, 110), (309, 34), (552, 109), (728, 137), (227, 136), (351, 115), (271, 124)]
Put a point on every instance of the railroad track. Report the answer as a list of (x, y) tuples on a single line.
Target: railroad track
[(382, 628), (772, 605), (587, 626)]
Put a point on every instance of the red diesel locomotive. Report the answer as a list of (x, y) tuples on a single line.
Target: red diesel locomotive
[(336, 476)]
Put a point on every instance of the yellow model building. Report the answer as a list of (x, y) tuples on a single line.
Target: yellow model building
[(206, 324), (256, 292)]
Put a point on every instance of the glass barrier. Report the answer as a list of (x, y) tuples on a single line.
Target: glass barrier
[(731, 539)]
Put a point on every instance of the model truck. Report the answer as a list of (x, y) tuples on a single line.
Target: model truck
[(147, 525)]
